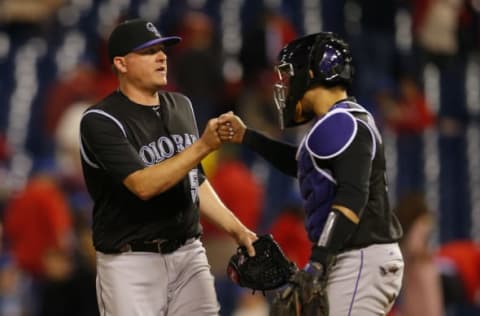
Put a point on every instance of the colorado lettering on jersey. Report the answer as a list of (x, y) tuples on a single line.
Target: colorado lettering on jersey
[(165, 147)]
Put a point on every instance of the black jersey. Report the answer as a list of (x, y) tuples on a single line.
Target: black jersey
[(366, 192), (119, 137)]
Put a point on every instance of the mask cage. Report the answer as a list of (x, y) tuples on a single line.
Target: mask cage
[(281, 88)]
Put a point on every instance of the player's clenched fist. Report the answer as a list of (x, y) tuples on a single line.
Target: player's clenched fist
[(210, 135), (231, 128)]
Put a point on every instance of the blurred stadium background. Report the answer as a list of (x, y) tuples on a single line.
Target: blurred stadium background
[(417, 69)]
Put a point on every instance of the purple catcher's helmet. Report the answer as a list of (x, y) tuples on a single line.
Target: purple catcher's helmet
[(326, 55)]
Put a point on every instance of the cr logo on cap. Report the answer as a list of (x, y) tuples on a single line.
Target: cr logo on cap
[(153, 29)]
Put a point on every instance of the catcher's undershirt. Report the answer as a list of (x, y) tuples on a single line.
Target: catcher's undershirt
[(378, 224), (119, 137)]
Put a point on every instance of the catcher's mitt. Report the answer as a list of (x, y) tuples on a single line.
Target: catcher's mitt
[(267, 270), (305, 295)]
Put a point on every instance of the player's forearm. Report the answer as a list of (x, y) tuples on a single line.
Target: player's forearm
[(213, 209), (155, 179), (281, 155)]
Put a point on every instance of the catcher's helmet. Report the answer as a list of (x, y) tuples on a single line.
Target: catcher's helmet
[(329, 59)]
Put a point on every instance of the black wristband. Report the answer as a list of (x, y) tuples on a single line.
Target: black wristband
[(249, 136), (322, 255)]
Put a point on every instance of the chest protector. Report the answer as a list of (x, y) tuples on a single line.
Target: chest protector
[(330, 136)]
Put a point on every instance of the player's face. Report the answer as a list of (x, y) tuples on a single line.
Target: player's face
[(147, 67)]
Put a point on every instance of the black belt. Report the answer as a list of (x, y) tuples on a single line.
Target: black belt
[(158, 245)]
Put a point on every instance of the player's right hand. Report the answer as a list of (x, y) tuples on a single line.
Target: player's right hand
[(210, 135), (231, 128)]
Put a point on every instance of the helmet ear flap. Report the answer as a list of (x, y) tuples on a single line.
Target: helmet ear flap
[(331, 61)]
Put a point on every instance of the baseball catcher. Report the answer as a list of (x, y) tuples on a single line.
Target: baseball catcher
[(355, 266)]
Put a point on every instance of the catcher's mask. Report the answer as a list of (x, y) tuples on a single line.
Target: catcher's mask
[(317, 59)]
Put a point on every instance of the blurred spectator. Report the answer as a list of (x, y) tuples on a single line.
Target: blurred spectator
[(39, 229), (78, 85), (372, 39), (4, 152), (67, 147), (28, 11), (411, 113), (262, 41), (289, 231), (421, 292), (39, 233), (436, 25), (84, 83), (71, 277), (67, 140), (408, 114), (459, 263), (37, 220), (198, 64), (237, 187), (57, 270)]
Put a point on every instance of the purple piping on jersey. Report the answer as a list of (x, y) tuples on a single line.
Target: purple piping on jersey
[(168, 41), (374, 142), (110, 117), (356, 283)]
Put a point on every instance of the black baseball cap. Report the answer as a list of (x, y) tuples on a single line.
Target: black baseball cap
[(136, 34)]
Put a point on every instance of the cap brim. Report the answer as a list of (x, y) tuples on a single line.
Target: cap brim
[(167, 41)]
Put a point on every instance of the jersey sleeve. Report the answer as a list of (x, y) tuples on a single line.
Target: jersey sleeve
[(281, 155), (352, 170), (104, 145)]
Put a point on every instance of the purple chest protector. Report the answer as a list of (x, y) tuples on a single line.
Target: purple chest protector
[(328, 138)]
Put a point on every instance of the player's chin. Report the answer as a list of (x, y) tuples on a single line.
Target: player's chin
[(160, 78), (160, 82)]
